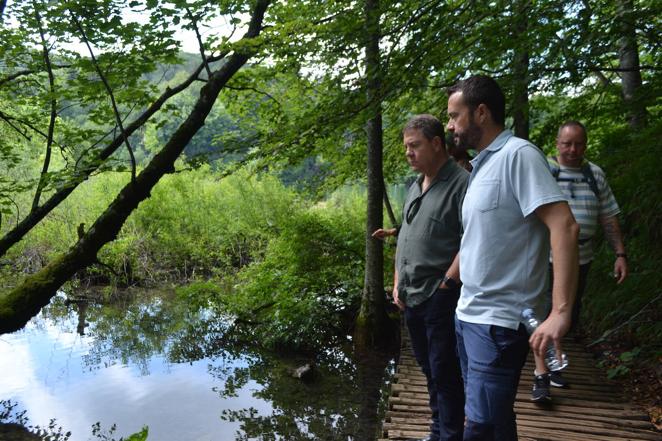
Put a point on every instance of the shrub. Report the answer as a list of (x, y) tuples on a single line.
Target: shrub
[(309, 280)]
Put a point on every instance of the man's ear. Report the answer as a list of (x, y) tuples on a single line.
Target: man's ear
[(482, 113), (437, 143)]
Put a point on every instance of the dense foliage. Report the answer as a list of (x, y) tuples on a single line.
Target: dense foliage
[(285, 263)]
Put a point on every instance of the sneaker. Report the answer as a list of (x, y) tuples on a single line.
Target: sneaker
[(557, 380), (540, 391)]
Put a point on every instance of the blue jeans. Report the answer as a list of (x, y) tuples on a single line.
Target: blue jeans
[(431, 326), (492, 358)]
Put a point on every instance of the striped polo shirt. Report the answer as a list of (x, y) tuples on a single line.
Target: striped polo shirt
[(585, 205)]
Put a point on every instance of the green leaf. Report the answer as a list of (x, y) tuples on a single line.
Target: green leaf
[(139, 436)]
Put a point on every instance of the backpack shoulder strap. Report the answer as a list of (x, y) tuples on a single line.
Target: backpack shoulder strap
[(554, 166), (590, 178)]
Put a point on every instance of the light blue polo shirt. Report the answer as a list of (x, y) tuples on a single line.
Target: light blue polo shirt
[(505, 247)]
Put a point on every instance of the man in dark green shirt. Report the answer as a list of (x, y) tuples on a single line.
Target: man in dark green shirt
[(426, 281)]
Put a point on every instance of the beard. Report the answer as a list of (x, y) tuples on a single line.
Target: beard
[(470, 138)]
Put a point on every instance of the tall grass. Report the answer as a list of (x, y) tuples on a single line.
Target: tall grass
[(193, 223)]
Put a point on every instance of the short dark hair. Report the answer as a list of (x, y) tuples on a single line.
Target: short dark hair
[(428, 124), (482, 89), (573, 123)]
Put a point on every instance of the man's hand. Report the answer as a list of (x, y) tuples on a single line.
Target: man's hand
[(551, 331), (614, 236), (396, 299), (383, 233), (620, 269)]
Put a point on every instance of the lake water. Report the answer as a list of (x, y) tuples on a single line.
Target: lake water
[(149, 360)]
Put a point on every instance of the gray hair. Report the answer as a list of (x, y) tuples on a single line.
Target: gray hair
[(573, 123)]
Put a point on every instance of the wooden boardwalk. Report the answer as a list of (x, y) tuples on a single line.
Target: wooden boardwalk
[(591, 409)]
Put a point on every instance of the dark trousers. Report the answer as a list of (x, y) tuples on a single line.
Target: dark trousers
[(581, 287), (432, 329), (492, 358)]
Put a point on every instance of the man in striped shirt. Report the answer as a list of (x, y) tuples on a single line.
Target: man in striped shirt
[(591, 204), (588, 208)]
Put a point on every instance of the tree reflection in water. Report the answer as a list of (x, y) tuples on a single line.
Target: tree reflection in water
[(343, 401)]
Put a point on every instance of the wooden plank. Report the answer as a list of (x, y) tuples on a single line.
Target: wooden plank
[(610, 427), (581, 410), (591, 409), (584, 429), (559, 401), (536, 412)]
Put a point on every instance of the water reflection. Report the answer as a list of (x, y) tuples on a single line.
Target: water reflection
[(149, 359)]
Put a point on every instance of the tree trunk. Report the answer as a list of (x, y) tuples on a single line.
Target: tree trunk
[(520, 70), (370, 369), (19, 305), (372, 320), (628, 57)]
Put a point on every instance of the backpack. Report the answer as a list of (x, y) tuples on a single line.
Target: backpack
[(589, 177)]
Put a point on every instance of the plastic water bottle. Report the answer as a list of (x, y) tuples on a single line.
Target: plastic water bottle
[(531, 322)]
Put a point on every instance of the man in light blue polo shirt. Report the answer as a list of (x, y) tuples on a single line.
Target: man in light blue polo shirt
[(512, 211)]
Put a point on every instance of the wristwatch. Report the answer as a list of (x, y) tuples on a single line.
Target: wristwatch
[(623, 255), (450, 282)]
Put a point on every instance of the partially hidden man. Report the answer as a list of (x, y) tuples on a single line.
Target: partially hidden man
[(592, 203), (426, 281), (512, 211)]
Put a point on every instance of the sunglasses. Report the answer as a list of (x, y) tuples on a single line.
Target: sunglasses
[(413, 208)]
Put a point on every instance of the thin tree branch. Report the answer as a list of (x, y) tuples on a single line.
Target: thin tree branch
[(256, 91), (102, 138), (53, 116), (609, 332), (118, 118), (9, 118), (201, 46), (331, 17), (18, 209), (389, 208), (601, 68), (602, 78), (422, 10), (27, 72)]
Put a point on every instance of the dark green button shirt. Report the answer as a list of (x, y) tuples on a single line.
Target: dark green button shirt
[(430, 234)]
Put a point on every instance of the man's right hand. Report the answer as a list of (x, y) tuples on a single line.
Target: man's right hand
[(551, 331), (382, 233), (396, 299)]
